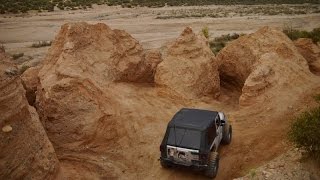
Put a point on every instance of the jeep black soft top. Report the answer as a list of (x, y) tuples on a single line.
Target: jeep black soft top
[(192, 139), (188, 129)]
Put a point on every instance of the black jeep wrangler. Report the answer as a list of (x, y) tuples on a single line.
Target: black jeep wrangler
[(192, 139)]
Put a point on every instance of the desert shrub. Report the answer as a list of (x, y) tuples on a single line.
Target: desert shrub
[(252, 173), (216, 46), (295, 34), (17, 55), (220, 42), (24, 68), (205, 32), (304, 131), (41, 44), (17, 6)]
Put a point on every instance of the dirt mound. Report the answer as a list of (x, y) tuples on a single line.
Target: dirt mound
[(26, 152), (263, 65), (311, 52), (81, 50), (73, 99), (189, 67)]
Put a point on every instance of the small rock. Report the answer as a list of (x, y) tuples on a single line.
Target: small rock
[(7, 128), (11, 72), (266, 174), (270, 166), (103, 158)]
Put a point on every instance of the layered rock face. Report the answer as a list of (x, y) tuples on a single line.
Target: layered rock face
[(26, 152), (311, 52), (72, 98), (262, 65), (189, 67)]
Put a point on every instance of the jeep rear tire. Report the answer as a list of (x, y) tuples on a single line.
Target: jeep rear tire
[(213, 165), (227, 135)]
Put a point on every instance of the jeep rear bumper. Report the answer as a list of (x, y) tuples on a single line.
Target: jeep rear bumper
[(194, 164)]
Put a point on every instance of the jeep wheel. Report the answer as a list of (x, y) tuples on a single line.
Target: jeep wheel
[(227, 135), (164, 164), (213, 165)]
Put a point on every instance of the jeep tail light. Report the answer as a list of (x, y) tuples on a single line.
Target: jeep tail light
[(203, 156)]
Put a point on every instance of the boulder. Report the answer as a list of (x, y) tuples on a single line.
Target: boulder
[(26, 152), (30, 81), (262, 66), (189, 67), (81, 50), (73, 99), (311, 52)]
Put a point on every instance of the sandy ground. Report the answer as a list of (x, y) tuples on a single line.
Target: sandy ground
[(18, 32), (259, 135), (257, 139)]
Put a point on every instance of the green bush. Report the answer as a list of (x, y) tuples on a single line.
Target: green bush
[(305, 132), (205, 32), (220, 42), (216, 46), (23, 69), (295, 34)]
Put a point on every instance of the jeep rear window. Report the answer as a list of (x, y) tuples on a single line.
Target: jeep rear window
[(186, 138)]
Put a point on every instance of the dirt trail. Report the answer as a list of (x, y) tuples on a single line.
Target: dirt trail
[(106, 118), (259, 136), (126, 143)]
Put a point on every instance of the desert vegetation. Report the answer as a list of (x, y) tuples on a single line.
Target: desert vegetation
[(23, 6), (220, 12), (295, 34), (41, 44), (17, 55), (304, 131), (220, 42), (24, 68)]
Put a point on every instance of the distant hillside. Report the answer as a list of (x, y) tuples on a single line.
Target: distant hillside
[(22, 6)]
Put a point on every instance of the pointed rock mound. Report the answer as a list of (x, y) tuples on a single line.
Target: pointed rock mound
[(263, 65), (26, 152), (81, 50), (311, 52), (72, 97), (189, 67)]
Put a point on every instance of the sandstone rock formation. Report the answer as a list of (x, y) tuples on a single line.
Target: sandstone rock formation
[(30, 81), (189, 67), (311, 52), (263, 65), (26, 152), (72, 99), (81, 50)]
